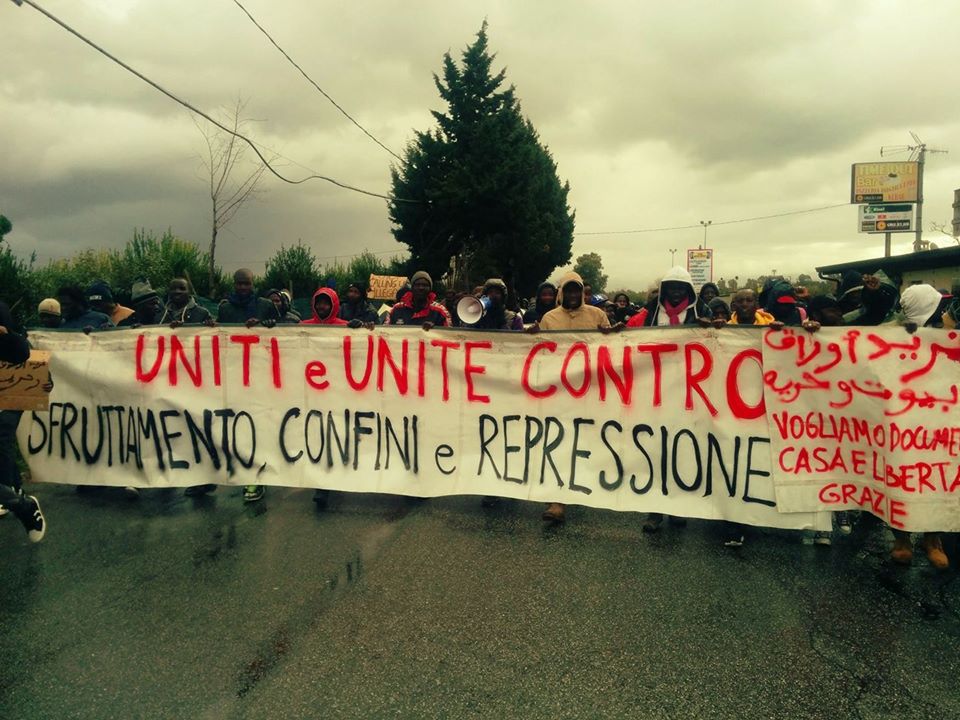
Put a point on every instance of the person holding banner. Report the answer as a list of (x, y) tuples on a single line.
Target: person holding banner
[(571, 313), (921, 307), (15, 349), (325, 306), (545, 301), (419, 305), (181, 308), (356, 306), (243, 307), (497, 317), (147, 307), (676, 303)]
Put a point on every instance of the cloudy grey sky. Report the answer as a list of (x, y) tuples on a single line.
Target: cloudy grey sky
[(659, 115)]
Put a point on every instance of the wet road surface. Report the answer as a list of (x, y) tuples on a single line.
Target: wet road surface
[(172, 607)]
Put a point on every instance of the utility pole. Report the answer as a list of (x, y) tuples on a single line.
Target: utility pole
[(673, 251), (918, 151), (706, 224)]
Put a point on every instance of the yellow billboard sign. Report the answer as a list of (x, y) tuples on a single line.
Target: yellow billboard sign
[(884, 182)]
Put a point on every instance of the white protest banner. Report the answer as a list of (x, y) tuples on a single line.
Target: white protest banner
[(649, 420), (866, 419)]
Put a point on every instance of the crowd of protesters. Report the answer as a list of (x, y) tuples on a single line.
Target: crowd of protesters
[(859, 300)]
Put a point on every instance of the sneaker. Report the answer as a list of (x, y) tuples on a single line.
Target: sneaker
[(844, 523), (734, 542), (3, 511), (555, 512), (252, 493), (32, 518), (933, 546), (131, 493), (653, 522), (822, 538), (198, 490)]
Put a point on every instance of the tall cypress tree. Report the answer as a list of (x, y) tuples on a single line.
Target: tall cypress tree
[(480, 185)]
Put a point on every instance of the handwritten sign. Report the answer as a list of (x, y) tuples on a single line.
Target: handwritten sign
[(384, 287), (866, 419), (21, 386), (648, 420)]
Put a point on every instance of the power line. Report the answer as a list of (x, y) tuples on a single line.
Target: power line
[(202, 114), (713, 224), (312, 82)]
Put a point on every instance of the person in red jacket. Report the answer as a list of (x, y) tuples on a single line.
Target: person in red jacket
[(326, 307)]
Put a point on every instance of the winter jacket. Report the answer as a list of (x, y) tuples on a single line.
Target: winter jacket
[(362, 311), (536, 313), (403, 313), (695, 309), (584, 317), (238, 310), (89, 318), (189, 314)]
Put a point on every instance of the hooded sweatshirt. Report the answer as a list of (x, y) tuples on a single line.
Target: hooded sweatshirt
[(687, 313), (584, 317), (919, 303), (331, 318), (536, 313)]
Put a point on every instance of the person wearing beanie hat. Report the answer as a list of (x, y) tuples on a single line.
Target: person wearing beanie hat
[(100, 298), (355, 305), (146, 303), (419, 305), (49, 312), (545, 301)]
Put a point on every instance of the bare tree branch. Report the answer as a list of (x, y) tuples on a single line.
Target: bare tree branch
[(221, 162)]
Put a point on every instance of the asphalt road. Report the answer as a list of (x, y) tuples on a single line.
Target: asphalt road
[(169, 607)]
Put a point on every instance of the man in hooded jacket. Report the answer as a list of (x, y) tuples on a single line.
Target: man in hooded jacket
[(676, 302), (546, 301), (325, 306), (571, 313), (498, 317)]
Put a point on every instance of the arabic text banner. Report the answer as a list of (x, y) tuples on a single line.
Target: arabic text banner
[(866, 419)]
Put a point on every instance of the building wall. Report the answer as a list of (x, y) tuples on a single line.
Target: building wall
[(940, 278)]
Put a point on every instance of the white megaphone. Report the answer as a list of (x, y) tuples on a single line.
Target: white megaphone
[(470, 309)]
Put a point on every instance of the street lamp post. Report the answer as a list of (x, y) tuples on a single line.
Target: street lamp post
[(673, 251), (706, 224)]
